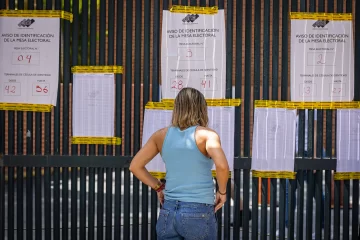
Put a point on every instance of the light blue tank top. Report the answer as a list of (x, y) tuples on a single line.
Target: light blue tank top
[(188, 171)]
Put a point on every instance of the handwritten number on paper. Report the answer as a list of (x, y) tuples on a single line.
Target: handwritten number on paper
[(10, 89)]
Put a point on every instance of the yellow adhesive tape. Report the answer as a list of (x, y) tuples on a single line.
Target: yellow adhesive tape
[(194, 9), (274, 174), (346, 175), (321, 16), (306, 105), (97, 69), (96, 140), (37, 13), (25, 107), (161, 175)]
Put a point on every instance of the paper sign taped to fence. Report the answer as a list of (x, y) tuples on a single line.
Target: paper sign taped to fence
[(348, 140), (193, 53), (322, 60), (273, 147), (221, 119), (29, 61), (93, 105)]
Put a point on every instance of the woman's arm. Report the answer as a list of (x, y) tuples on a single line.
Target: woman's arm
[(215, 151), (143, 157)]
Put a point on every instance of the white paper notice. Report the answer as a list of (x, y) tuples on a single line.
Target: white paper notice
[(322, 65), (93, 105), (29, 60), (221, 119), (348, 140), (273, 147), (193, 53)]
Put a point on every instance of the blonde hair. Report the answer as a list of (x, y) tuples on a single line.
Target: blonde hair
[(190, 109)]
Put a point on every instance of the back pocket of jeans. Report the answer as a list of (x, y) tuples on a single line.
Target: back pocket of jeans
[(162, 222), (196, 225)]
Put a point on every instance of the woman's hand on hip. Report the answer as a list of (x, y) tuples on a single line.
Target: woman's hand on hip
[(161, 197), (220, 201)]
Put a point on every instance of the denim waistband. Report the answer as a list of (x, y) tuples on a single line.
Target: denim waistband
[(172, 205)]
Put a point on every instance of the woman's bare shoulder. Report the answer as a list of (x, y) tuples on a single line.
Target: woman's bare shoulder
[(206, 132)]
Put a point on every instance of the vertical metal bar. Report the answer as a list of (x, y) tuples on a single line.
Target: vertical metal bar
[(282, 209), (237, 219), (100, 203), (19, 202), (237, 136), (266, 52), (10, 206), (82, 205), (349, 6), (74, 205), (128, 73), (227, 212), (2, 202), (355, 210), (47, 176), (246, 174), (284, 51), (327, 205), (346, 205), (146, 96), (38, 205), (309, 203), (47, 203), (355, 207), (93, 19), (74, 148), (111, 44), (156, 51), (56, 203), (336, 210), (255, 209), (65, 204), (264, 218), (291, 192), (300, 205), (275, 52), (29, 203), (2, 4), (56, 112), (219, 215), (155, 97), (84, 61), (246, 200), (109, 208), (102, 45), (328, 178), (117, 213), (91, 205), (229, 46), (126, 204), (118, 77), (318, 200), (273, 208), (229, 58), (136, 139), (128, 90), (66, 80)]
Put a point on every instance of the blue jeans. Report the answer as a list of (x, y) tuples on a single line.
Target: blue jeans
[(186, 221), (294, 205)]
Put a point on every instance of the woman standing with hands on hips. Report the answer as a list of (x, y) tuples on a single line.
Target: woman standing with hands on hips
[(189, 149)]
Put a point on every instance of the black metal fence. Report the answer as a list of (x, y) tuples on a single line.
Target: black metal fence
[(50, 189)]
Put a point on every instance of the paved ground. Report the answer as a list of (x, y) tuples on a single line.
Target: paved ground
[(231, 237)]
